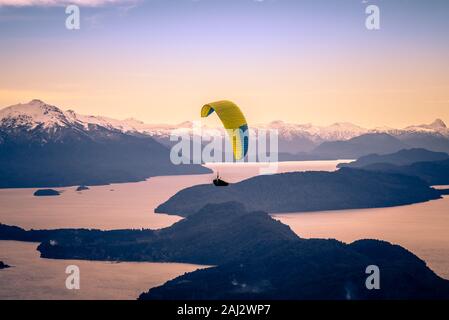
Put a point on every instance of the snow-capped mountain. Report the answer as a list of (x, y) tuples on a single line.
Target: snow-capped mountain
[(33, 114), (41, 145), (334, 132), (300, 138), (37, 114), (344, 130), (438, 126)]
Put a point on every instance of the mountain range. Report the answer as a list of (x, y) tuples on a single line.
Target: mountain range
[(43, 146), (294, 138), (48, 136), (349, 141)]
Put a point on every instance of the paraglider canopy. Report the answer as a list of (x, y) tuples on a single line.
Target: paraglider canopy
[(233, 121)]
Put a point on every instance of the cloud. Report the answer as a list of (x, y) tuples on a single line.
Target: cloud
[(54, 3)]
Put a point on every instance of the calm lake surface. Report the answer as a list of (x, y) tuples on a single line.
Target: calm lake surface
[(123, 205), (31, 277), (116, 206), (421, 228)]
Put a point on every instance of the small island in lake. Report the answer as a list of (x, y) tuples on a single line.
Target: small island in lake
[(46, 192)]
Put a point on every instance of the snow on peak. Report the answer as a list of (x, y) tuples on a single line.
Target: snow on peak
[(336, 131), (345, 126), (32, 114), (36, 102), (277, 123), (38, 113), (185, 124), (438, 124)]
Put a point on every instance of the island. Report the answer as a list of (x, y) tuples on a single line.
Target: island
[(313, 269), (432, 167), (46, 192), (204, 238), (248, 255), (307, 191), (401, 158)]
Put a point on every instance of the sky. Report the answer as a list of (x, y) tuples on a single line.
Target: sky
[(302, 61)]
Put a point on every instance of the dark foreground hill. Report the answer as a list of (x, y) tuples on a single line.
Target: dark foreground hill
[(307, 191), (431, 167), (310, 269), (257, 257), (433, 172), (216, 234)]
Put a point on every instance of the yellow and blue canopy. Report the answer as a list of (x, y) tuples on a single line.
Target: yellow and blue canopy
[(233, 121)]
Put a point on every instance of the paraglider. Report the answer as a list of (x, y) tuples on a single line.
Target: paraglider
[(220, 183), (233, 121)]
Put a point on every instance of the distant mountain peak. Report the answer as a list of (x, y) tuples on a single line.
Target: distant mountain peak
[(438, 124), (343, 124), (185, 124), (277, 123), (39, 114), (32, 114), (133, 120), (36, 101)]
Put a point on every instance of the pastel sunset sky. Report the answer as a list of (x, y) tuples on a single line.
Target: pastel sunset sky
[(300, 61)]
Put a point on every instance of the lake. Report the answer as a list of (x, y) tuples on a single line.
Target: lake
[(422, 228), (122, 205), (115, 206), (31, 277)]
